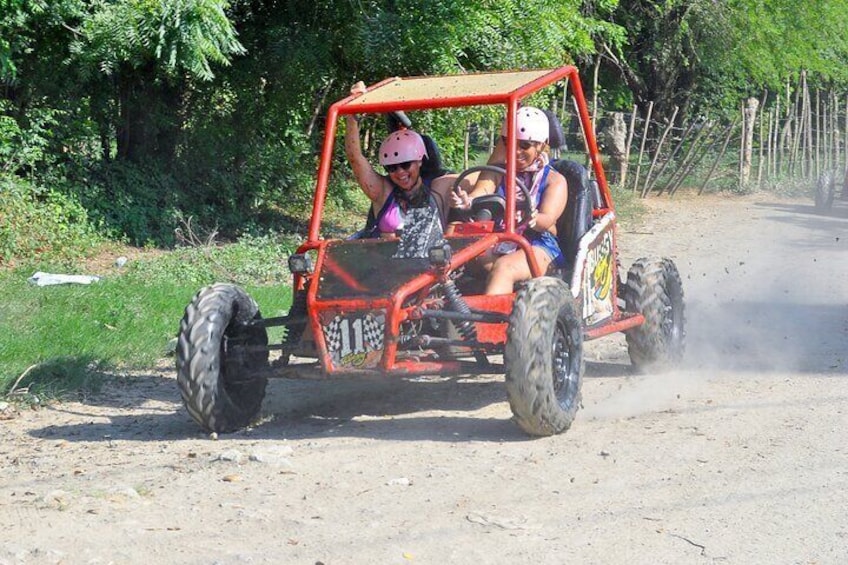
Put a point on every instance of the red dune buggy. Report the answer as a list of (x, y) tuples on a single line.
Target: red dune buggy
[(407, 306)]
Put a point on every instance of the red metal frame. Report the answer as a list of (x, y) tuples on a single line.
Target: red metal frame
[(509, 99)]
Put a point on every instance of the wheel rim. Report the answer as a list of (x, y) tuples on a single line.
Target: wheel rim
[(672, 323), (563, 377), (234, 353), (671, 327)]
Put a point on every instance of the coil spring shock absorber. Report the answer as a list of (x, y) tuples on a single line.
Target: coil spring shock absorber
[(465, 328)]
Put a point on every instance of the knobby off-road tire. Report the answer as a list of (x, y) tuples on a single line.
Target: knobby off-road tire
[(220, 382), (544, 357), (825, 191), (654, 289)]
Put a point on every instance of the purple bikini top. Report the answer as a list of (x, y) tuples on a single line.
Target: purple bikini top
[(393, 217)]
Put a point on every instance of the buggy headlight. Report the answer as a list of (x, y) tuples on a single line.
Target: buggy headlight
[(440, 256), (300, 264)]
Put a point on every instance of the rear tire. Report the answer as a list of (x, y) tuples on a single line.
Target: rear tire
[(825, 191), (544, 357), (220, 382), (655, 290)]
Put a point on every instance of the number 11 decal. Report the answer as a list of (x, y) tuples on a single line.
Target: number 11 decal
[(345, 327)]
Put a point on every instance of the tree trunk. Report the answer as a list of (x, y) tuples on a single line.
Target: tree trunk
[(149, 116), (642, 146), (630, 131), (750, 115), (616, 137)]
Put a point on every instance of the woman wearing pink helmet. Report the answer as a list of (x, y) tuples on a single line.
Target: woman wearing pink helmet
[(547, 188), (402, 187)]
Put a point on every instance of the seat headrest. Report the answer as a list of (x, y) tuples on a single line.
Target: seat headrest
[(556, 137)]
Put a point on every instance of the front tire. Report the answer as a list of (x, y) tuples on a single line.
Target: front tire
[(544, 357), (655, 290), (220, 380), (825, 191)]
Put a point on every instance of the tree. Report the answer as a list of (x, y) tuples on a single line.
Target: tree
[(709, 54), (151, 50)]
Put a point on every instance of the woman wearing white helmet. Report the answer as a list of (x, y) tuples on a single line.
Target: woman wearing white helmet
[(549, 192), (402, 187)]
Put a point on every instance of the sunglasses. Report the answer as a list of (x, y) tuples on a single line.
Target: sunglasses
[(523, 144), (392, 168)]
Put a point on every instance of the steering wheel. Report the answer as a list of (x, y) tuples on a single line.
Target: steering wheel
[(492, 206)]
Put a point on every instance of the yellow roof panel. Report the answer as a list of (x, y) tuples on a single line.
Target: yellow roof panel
[(448, 90)]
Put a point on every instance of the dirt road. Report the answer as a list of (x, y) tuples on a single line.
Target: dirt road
[(740, 457)]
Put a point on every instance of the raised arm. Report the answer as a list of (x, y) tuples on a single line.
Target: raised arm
[(372, 183)]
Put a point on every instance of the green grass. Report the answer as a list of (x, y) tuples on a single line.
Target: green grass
[(65, 337), (628, 206)]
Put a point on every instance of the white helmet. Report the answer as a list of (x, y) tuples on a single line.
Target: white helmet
[(531, 125), (402, 146)]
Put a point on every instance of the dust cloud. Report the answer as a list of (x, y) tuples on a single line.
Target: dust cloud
[(766, 293)]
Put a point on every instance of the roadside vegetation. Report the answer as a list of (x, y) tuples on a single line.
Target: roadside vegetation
[(185, 134), (65, 338)]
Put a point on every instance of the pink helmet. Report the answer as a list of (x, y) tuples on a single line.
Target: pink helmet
[(402, 146), (532, 125)]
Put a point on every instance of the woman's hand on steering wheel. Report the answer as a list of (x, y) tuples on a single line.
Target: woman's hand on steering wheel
[(531, 222), (460, 199), (527, 211)]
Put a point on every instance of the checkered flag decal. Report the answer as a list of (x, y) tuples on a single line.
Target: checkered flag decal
[(333, 334), (373, 329)]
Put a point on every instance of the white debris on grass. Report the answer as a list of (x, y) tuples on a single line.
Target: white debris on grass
[(48, 279)]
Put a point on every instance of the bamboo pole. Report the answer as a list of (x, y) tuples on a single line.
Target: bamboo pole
[(642, 146), (696, 158), (720, 156), (837, 138), (815, 152), (673, 155), (760, 158), (690, 159), (807, 164), (647, 185), (466, 146), (769, 145), (827, 146), (743, 143), (595, 81), (762, 110), (775, 155), (786, 137), (834, 129), (796, 134)]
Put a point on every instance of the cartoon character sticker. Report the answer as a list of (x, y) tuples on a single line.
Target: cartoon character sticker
[(597, 280)]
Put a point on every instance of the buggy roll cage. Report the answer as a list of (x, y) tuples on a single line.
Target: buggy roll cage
[(456, 91)]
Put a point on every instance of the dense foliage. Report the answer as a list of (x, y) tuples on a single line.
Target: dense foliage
[(142, 113)]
